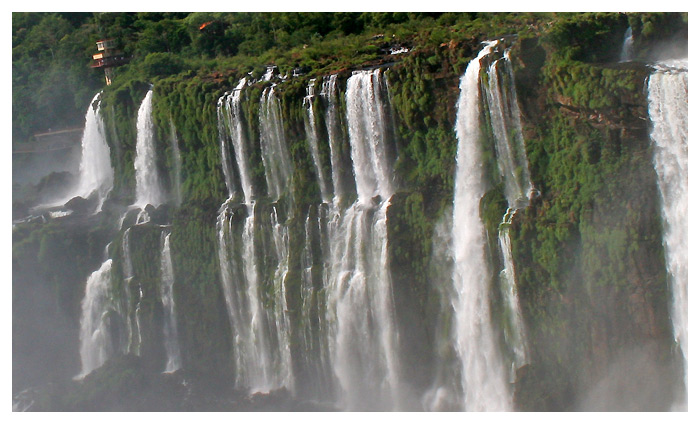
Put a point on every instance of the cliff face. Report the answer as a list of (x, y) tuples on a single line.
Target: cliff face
[(591, 273), (588, 251)]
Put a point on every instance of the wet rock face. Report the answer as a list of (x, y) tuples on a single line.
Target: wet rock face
[(126, 383), (55, 184), (80, 205), (160, 214), (50, 262), (595, 295), (607, 295)]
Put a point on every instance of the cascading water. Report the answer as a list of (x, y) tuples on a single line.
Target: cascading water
[(475, 348), (515, 329), (276, 158), (133, 324), (269, 73), (483, 374), (253, 355), (314, 267), (260, 335), (307, 290), (280, 317), (177, 163), (368, 130), (231, 116), (237, 302), (315, 294), (148, 188), (231, 262), (506, 128), (668, 110), (627, 46), (95, 339), (329, 94), (362, 336), (170, 335), (312, 136), (96, 172), (507, 131), (358, 322)]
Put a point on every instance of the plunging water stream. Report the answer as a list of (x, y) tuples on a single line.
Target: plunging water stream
[(170, 334), (668, 110), (96, 172), (483, 373), (363, 339), (148, 186)]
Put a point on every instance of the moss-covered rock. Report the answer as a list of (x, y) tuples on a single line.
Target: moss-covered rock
[(588, 251), (50, 264)]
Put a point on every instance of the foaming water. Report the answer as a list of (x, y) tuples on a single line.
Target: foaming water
[(668, 110)]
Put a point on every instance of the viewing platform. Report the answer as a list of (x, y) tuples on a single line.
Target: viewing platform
[(50, 141)]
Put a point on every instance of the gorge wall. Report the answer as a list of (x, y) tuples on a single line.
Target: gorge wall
[(468, 226)]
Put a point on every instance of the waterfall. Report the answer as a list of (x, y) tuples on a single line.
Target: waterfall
[(329, 94), (260, 335), (276, 158), (307, 295), (483, 381), (148, 189), (224, 144), (231, 126), (627, 46), (506, 128), (170, 336), (314, 273), (96, 172), (362, 335), (368, 130), (483, 374), (281, 328), (515, 327), (240, 285), (269, 73), (259, 324), (133, 326), (234, 295), (95, 338), (177, 163), (507, 131), (312, 136), (668, 110)]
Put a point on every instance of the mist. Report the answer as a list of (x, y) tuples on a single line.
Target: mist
[(363, 221)]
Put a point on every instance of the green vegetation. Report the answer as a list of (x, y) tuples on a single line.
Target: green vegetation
[(49, 48), (51, 81), (50, 264), (586, 37), (205, 334), (585, 86), (577, 247), (588, 252), (190, 106)]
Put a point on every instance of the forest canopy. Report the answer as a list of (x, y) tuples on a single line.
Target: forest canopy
[(52, 81)]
